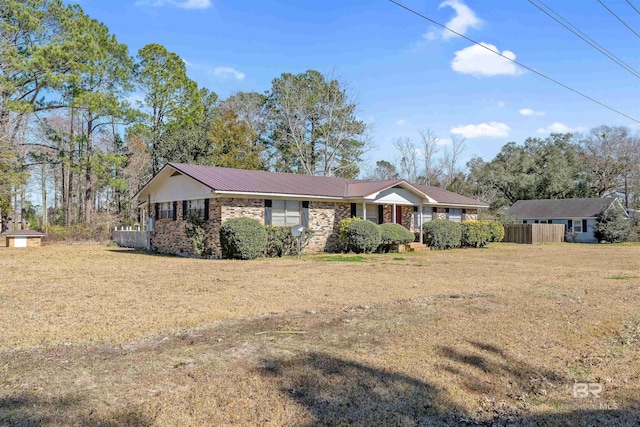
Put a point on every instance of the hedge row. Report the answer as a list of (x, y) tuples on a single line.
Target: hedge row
[(361, 236), (445, 234), (247, 238)]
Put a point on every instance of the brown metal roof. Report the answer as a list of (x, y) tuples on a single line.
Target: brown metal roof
[(15, 233), (248, 181), (239, 180), (448, 197), (560, 208)]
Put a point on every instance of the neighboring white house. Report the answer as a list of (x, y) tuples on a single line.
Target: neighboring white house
[(578, 215)]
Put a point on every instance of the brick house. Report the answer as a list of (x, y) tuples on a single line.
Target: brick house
[(218, 194)]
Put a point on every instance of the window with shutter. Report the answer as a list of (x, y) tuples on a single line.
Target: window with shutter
[(285, 212)]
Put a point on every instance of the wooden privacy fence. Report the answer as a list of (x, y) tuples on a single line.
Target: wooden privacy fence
[(534, 233)]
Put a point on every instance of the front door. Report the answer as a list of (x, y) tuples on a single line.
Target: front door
[(399, 215)]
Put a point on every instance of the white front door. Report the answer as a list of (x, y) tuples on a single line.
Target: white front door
[(20, 242)]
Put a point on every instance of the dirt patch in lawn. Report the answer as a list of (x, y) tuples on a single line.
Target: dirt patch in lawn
[(95, 335)]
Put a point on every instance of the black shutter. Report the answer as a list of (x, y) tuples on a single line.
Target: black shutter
[(175, 211), (305, 213), (206, 209), (434, 213), (353, 210), (447, 212), (524, 221), (157, 216), (267, 212), (184, 209), (584, 225), (464, 214), (380, 214), (550, 221), (569, 225)]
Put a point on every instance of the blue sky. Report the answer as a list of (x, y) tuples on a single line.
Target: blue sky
[(407, 74)]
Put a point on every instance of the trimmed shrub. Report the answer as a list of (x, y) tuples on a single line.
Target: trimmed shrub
[(392, 235), (613, 226), (343, 226), (242, 238), (280, 241), (359, 236), (442, 234), (476, 234), (497, 230)]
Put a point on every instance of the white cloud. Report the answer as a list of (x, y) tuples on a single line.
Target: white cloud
[(558, 127), (401, 122), (491, 129), (480, 61), (530, 112), (182, 4), (501, 104), (464, 19), (226, 72)]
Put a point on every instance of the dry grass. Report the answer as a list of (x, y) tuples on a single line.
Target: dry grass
[(95, 335)]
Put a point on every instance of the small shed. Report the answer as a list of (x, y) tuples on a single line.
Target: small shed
[(22, 238)]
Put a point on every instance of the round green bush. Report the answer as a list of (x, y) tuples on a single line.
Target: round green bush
[(242, 238), (497, 230), (392, 235), (361, 236), (476, 234), (442, 234)]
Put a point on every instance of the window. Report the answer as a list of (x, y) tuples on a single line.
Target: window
[(285, 212), (166, 210), (426, 216), (455, 215), (577, 226), (195, 207), (372, 212)]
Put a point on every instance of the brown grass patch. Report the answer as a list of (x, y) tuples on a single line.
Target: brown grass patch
[(102, 336)]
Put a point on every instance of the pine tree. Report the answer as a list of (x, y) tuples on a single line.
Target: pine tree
[(613, 225)]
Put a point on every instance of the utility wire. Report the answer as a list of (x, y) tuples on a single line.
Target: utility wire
[(633, 7), (619, 19), (514, 61), (585, 37)]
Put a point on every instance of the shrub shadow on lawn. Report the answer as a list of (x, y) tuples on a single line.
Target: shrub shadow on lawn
[(31, 410)]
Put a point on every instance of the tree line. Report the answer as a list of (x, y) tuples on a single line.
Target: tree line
[(86, 124), (604, 162)]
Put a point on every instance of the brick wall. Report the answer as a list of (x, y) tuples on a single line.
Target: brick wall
[(323, 220), (170, 236)]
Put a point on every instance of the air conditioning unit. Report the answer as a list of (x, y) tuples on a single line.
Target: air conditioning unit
[(151, 224)]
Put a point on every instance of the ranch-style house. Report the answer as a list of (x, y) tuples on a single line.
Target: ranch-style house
[(216, 194)]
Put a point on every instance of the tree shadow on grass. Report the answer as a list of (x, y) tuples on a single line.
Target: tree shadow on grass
[(342, 392), (30, 410)]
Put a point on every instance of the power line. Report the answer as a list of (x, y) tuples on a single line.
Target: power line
[(585, 37), (619, 19), (514, 61), (633, 7)]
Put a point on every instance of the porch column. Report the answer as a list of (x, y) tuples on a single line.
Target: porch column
[(421, 222), (393, 214), (364, 210)]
